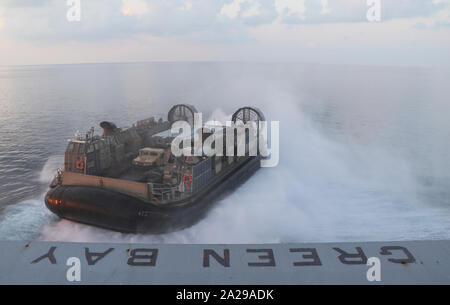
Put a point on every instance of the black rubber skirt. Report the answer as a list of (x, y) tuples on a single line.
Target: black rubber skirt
[(119, 212)]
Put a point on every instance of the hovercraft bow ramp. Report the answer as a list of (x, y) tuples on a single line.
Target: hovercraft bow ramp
[(410, 262)]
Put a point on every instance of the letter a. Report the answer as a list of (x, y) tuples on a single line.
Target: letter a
[(374, 12), (374, 272), (73, 274), (74, 12)]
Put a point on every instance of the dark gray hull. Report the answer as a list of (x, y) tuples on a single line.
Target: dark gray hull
[(115, 211)]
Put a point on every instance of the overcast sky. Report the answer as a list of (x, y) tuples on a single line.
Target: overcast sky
[(411, 32)]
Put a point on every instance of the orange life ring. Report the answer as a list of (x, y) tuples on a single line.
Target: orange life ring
[(188, 181), (80, 165)]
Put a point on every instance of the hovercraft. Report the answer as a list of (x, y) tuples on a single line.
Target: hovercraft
[(129, 180)]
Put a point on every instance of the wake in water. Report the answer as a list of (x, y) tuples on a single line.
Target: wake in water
[(48, 172), (322, 190), (25, 220)]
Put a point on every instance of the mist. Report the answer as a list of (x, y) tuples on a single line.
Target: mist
[(322, 190), (364, 153)]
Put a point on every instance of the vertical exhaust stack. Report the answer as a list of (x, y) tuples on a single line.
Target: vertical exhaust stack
[(108, 128)]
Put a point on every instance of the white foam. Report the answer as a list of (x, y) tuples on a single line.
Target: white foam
[(321, 191), (49, 170), (25, 220)]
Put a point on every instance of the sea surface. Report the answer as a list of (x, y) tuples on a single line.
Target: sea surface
[(364, 151)]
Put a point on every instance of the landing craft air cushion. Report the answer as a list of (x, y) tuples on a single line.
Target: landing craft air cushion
[(129, 180)]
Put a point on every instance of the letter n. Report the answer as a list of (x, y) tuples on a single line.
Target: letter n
[(223, 260)]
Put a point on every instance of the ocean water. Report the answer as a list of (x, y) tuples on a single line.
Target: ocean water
[(364, 151)]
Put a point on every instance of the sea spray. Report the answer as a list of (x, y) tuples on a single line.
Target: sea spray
[(322, 190)]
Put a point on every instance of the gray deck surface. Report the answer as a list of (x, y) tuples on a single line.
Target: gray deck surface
[(415, 262)]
